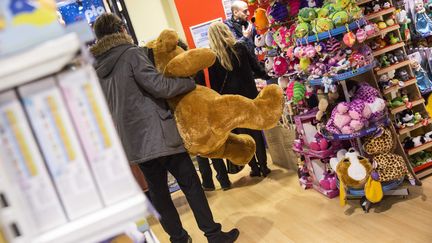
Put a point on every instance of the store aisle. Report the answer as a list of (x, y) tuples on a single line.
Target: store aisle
[(276, 209)]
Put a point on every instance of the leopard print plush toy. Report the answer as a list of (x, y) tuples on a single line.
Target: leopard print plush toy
[(390, 166)]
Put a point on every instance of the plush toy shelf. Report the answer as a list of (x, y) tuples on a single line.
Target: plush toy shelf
[(418, 125), (380, 13), (388, 48), (360, 2), (397, 87), (384, 31), (404, 107), (393, 67), (344, 76), (419, 148), (334, 32), (362, 133), (423, 166)]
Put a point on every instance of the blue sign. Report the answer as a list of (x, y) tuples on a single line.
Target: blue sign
[(79, 10)]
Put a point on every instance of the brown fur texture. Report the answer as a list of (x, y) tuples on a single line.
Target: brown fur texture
[(390, 166), (342, 172), (205, 118)]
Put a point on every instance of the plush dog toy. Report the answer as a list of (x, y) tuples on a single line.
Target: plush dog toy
[(205, 118)]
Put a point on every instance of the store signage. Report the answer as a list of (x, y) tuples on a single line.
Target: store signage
[(79, 10)]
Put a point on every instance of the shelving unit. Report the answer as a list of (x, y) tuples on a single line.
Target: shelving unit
[(418, 125), (404, 107), (385, 31), (409, 85), (395, 66), (360, 2), (380, 13), (388, 49), (45, 60), (397, 87)]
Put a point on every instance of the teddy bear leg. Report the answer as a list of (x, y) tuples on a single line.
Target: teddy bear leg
[(238, 148), (263, 112)]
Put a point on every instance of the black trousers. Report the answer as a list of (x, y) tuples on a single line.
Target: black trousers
[(181, 167), (260, 153), (207, 175)]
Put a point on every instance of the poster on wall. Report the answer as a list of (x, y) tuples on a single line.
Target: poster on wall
[(199, 33), (227, 8), (78, 10)]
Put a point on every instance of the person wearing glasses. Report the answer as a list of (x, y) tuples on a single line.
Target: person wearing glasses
[(240, 26)]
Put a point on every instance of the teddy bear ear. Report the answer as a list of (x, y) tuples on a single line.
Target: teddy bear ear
[(168, 40)]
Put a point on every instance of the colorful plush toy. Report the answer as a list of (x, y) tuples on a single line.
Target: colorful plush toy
[(352, 170), (211, 136), (280, 66), (277, 12), (389, 165), (372, 99), (349, 39), (282, 37), (260, 20)]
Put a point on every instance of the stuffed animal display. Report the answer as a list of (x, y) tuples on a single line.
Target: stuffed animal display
[(209, 135), (351, 117), (389, 165)]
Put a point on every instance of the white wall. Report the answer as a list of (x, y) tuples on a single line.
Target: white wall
[(150, 17)]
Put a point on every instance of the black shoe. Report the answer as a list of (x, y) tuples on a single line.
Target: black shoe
[(226, 188), (226, 237), (208, 189), (265, 171), (255, 173)]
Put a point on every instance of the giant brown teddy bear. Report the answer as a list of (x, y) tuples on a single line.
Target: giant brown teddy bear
[(205, 118)]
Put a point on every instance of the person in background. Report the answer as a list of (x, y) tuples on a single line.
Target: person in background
[(232, 73), (242, 29), (207, 175), (136, 94)]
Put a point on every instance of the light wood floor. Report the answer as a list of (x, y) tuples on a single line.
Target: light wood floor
[(276, 209)]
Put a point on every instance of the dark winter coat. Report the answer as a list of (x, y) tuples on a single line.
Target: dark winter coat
[(136, 93), (236, 28), (241, 79)]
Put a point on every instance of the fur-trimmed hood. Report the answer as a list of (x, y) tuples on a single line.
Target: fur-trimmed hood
[(110, 41), (108, 50)]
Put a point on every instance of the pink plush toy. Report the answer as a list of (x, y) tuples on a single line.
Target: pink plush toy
[(319, 144), (371, 97), (348, 117), (280, 66), (281, 37), (361, 35)]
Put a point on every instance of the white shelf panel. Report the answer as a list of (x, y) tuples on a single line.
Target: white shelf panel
[(100, 225), (37, 62)]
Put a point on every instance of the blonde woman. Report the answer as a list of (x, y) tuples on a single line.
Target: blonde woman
[(233, 73)]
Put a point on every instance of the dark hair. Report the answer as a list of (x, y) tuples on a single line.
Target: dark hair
[(107, 24)]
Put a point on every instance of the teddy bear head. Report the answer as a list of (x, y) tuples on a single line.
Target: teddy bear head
[(173, 61)]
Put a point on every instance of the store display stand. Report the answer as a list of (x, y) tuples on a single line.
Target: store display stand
[(41, 61), (417, 103)]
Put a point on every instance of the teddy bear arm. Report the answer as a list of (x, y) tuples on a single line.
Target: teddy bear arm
[(188, 63), (238, 148)]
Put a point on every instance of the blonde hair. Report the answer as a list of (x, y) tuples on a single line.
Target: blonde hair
[(222, 42)]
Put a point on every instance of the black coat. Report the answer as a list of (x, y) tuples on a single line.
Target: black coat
[(135, 92), (240, 80)]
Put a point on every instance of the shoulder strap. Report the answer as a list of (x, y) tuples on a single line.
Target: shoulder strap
[(207, 78), (150, 54)]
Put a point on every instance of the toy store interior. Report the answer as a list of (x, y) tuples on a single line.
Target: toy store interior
[(336, 147)]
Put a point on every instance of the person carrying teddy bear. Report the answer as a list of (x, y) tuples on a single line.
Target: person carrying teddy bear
[(136, 94)]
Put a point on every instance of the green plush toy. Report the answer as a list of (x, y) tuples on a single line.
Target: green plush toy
[(307, 15), (340, 18), (322, 12), (302, 30), (321, 25), (298, 92)]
